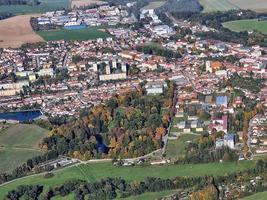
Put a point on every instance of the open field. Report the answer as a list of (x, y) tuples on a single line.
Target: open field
[(19, 143), (177, 147), (44, 6), (246, 25), (257, 196), (96, 171), (16, 31), (80, 34), (256, 5), (217, 5), (81, 3), (154, 4)]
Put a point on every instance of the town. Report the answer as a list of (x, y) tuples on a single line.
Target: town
[(219, 102)]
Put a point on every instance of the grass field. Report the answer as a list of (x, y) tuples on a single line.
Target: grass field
[(217, 5), (81, 3), (257, 196), (155, 4), (19, 143), (80, 34), (256, 5), (44, 6), (177, 147), (246, 25), (96, 171)]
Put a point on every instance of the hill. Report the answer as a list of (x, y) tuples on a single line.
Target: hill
[(19, 143)]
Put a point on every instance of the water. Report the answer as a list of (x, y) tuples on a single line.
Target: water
[(21, 116)]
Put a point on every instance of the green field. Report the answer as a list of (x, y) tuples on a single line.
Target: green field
[(256, 5), (217, 5), (44, 6), (19, 143), (177, 147), (80, 34), (257, 196), (96, 171), (246, 25), (155, 4)]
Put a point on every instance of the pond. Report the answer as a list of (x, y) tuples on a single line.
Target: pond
[(21, 116)]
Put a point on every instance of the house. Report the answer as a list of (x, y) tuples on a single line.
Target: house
[(212, 66), (219, 124), (222, 101)]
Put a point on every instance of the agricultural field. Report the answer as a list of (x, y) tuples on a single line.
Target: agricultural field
[(97, 171), (19, 143), (79, 34), (256, 5), (246, 25), (44, 6), (16, 31), (217, 5), (81, 3), (258, 196), (176, 148), (154, 4)]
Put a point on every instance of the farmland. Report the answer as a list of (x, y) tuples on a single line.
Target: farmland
[(247, 25), (16, 31), (44, 6), (256, 5), (80, 3), (96, 171), (154, 4), (79, 34), (19, 143), (217, 5)]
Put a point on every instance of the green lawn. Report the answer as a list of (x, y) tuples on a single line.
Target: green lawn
[(257, 196), (96, 171), (80, 34), (217, 5), (246, 25), (19, 143), (177, 147), (44, 6)]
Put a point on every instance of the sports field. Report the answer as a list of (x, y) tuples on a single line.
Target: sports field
[(19, 143), (246, 25), (44, 6), (80, 34), (217, 5), (96, 171), (256, 5)]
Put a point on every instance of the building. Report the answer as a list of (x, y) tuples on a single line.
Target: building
[(155, 87), (108, 77), (212, 66), (229, 140), (222, 101)]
